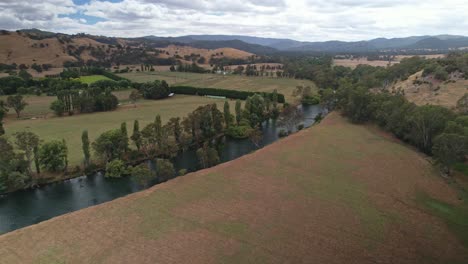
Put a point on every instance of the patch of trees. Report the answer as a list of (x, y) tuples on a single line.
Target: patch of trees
[(155, 90), (232, 94), (434, 130), (92, 99), (191, 68), (18, 158)]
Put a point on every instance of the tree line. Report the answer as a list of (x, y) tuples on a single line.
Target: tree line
[(120, 153), (434, 130)]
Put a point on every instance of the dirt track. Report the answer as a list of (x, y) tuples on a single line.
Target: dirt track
[(335, 193)]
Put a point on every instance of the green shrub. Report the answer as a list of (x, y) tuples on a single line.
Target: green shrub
[(115, 169), (311, 100), (238, 132), (58, 107)]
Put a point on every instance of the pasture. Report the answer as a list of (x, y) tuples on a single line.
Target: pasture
[(92, 78), (285, 86), (334, 193)]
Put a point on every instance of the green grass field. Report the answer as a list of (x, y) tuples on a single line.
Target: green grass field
[(263, 84), (92, 78), (334, 193), (71, 127)]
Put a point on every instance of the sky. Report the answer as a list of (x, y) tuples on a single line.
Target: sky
[(305, 20)]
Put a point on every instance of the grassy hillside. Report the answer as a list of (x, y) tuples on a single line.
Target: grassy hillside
[(335, 193), (71, 127), (285, 86), (433, 91)]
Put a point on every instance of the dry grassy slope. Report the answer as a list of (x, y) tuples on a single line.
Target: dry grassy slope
[(335, 193), (19, 49), (187, 50), (15, 48), (447, 95)]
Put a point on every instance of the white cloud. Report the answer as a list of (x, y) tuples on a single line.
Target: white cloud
[(298, 19)]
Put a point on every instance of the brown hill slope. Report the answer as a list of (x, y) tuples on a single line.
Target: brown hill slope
[(335, 193), (427, 90), (20, 48)]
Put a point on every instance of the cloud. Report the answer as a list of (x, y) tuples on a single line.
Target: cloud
[(298, 19)]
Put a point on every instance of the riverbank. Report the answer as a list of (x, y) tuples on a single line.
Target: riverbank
[(333, 193)]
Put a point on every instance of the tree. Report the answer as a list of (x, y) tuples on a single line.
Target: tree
[(164, 169), (26, 141), (85, 145), (3, 111), (155, 90), (53, 155), (227, 114), (207, 156), (158, 130), (36, 159), (108, 145), (238, 111), (124, 143), (462, 104), (23, 74), (291, 117), (16, 102), (449, 149), (328, 99), (58, 107), (136, 136), (428, 121), (217, 118), (115, 169), (134, 96), (174, 125), (13, 169), (274, 100), (142, 174)]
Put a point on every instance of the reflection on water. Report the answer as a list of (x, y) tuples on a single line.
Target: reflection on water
[(28, 207)]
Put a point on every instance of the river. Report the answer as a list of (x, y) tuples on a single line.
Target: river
[(28, 207)]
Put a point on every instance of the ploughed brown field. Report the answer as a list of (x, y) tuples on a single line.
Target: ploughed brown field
[(334, 193)]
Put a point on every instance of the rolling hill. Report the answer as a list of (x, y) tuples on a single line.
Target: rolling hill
[(288, 202)]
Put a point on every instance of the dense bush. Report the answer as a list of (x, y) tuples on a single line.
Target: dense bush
[(115, 169), (155, 90), (10, 84), (238, 132)]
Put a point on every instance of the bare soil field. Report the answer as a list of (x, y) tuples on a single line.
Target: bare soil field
[(433, 91), (335, 193)]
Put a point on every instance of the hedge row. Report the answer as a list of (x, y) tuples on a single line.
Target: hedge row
[(232, 94)]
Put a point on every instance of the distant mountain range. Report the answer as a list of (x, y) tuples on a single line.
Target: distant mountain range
[(440, 42), (262, 46)]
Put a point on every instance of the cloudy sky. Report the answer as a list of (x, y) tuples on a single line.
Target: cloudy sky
[(312, 20)]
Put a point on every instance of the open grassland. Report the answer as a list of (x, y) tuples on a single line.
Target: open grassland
[(71, 127), (39, 106), (285, 86), (335, 193), (92, 78)]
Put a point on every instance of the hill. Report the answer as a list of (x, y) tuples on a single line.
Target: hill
[(34, 46), (413, 43), (289, 202), (427, 90)]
